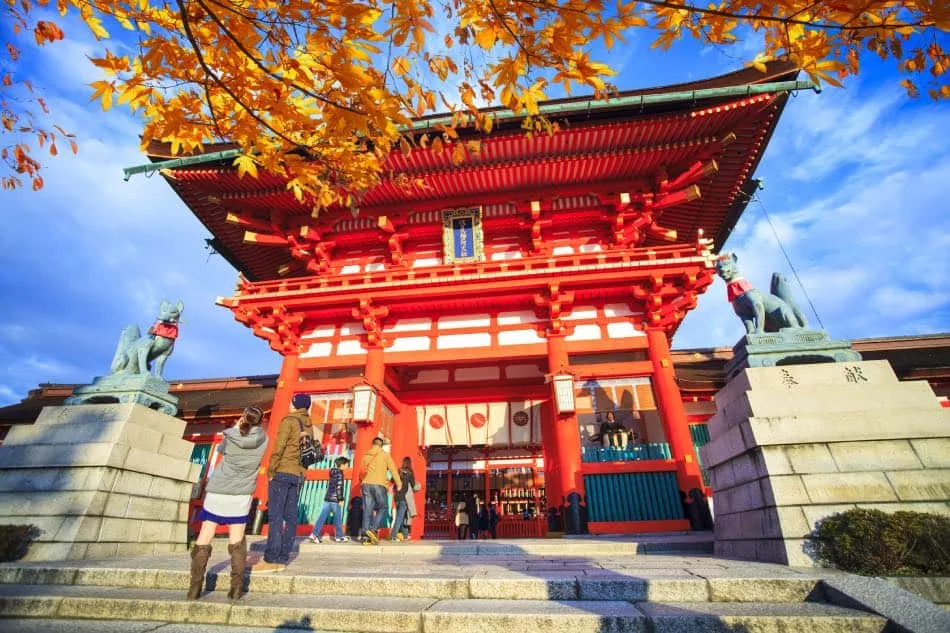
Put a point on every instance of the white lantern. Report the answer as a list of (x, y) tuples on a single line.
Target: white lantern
[(563, 393), (364, 403)]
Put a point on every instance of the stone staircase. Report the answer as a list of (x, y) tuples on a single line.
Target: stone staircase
[(398, 588)]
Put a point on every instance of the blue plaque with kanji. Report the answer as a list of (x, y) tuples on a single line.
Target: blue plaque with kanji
[(462, 235)]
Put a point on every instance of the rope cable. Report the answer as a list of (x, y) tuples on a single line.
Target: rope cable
[(788, 259)]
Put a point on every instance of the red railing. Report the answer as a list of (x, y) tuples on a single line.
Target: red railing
[(657, 255), (507, 528)]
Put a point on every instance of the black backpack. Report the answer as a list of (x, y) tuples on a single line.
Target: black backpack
[(310, 451)]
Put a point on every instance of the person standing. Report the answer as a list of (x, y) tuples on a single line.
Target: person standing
[(285, 475), (373, 470), (332, 502), (228, 500), (488, 520), (493, 520), (461, 522), (354, 518), (401, 496)]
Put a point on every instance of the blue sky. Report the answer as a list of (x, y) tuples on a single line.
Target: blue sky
[(857, 183)]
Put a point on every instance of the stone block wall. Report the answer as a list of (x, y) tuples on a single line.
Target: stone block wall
[(99, 480), (792, 445)]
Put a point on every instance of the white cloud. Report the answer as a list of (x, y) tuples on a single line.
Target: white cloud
[(8, 396), (14, 332), (857, 190), (49, 367)]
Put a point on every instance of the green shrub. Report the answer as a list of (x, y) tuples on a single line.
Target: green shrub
[(15, 541), (875, 543)]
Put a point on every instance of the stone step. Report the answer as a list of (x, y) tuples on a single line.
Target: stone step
[(627, 584), (373, 614), (688, 543)]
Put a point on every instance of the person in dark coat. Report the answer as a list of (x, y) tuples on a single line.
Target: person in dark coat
[(354, 518), (332, 502), (488, 520), (400, 530), (613, 434)]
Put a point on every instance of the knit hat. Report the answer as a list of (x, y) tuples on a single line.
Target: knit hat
[(300, 401)]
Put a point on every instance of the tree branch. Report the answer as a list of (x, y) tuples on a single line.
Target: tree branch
[(204, 65), (257, 62)]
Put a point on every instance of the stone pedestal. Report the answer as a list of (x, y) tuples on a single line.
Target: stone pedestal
[(790, 346), (99, 480), (792, 445), (145, 389)]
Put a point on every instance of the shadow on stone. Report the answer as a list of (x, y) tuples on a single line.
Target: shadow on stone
[(303, 624)]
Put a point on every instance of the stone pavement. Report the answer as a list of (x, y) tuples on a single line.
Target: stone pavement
[(659, 584)]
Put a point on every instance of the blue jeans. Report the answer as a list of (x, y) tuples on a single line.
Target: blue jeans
[(337, 518), (399, 525), (374, 500), (283, 493)]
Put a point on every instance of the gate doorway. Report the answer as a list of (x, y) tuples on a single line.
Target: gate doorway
[(509, 480)]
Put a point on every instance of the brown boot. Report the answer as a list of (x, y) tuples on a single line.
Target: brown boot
[(199, 563), (238, 552)]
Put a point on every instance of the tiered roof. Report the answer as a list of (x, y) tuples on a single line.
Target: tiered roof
[(603, 148)]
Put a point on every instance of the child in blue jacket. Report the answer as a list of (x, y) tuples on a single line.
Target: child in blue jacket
[(332, 502)]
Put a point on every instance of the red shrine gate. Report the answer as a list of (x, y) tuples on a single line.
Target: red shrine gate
[(577, 253)]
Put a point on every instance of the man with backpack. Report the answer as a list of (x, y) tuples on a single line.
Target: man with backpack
[(294, 451)]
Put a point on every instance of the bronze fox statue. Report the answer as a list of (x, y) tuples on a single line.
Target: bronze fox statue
[(760, 313), (137, 354)]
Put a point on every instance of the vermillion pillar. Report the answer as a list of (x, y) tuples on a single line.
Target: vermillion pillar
[(672, 413), (286, 384), (567, 443), (374, 372), (405, 443)]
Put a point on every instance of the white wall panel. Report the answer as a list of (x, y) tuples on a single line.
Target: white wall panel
[(411, 325), (464, 341), (581, 312), (411, 344), (588, 332), (321, 332), (519, 337), (517, 318), (505, 255), (351, 328), (318, 350), (466, 320), (617, 309), (622, 329), (348, 348)]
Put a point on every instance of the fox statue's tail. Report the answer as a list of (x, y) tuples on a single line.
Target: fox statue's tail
[(783, 290), (121, 359)]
